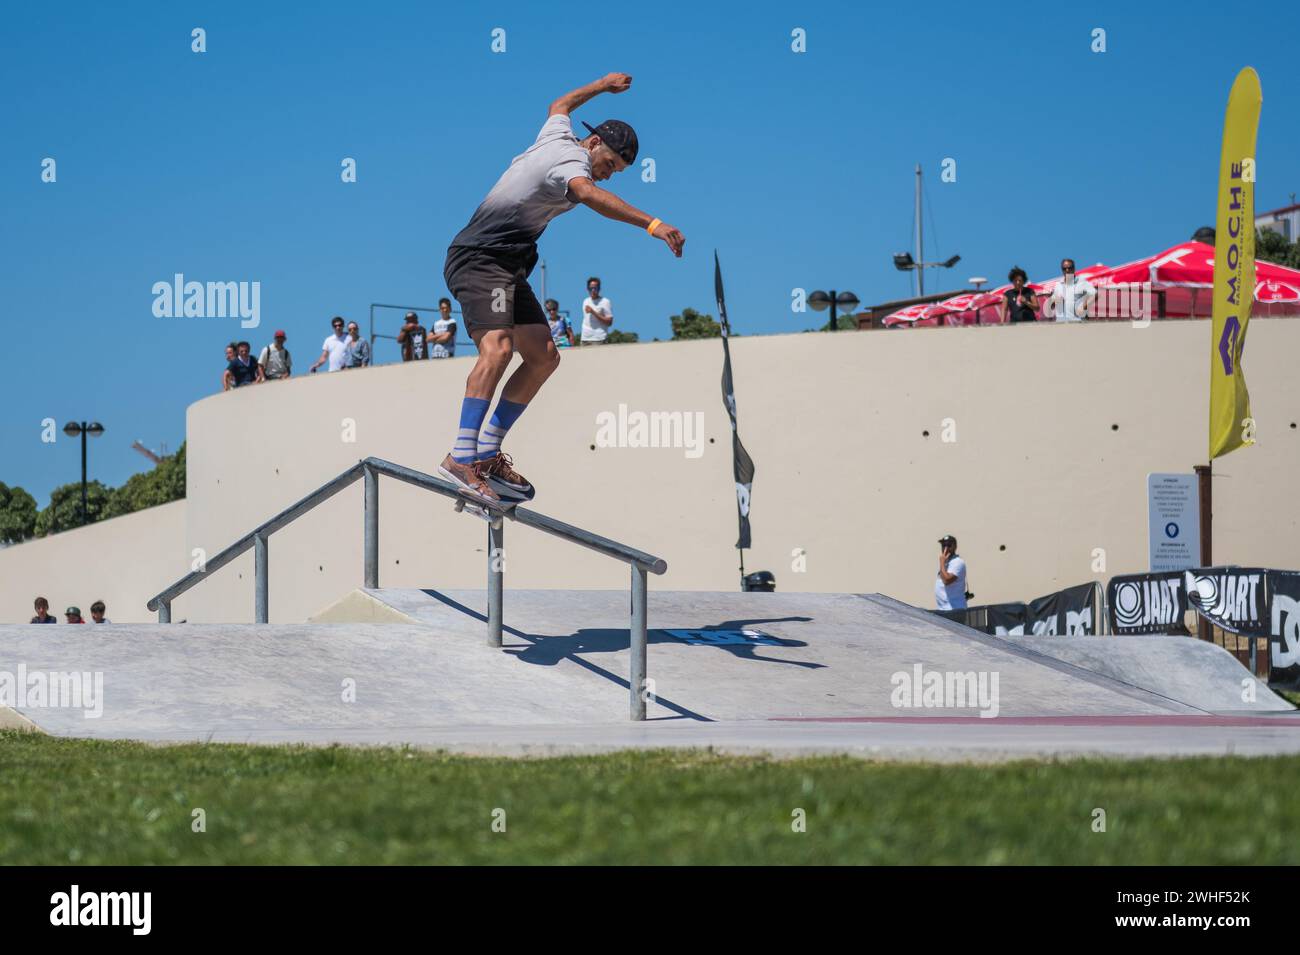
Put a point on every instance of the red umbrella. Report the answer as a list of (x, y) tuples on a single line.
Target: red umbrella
[(1190, 266)]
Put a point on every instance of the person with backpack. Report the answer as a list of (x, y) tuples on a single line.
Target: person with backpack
[(275, 359)]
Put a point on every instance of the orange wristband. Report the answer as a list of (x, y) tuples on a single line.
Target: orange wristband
[(654, 224)]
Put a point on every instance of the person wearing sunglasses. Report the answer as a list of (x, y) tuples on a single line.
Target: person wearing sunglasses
[(335, 349), (1071, 300)]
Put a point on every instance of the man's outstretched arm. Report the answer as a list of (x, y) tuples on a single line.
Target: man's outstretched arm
[(611, 206), (610, 83)]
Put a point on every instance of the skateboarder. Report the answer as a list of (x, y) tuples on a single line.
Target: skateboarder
[(487, 271)]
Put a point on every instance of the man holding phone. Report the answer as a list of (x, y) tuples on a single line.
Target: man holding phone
[(950, 583)]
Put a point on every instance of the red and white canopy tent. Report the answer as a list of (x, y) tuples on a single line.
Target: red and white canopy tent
[(1178, 274)]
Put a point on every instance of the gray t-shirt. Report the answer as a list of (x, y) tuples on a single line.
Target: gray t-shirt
[(532, 192), (275, 362)]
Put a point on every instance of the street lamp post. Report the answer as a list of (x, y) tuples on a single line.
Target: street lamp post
[(904, 262), (94, 429), (820, 301)]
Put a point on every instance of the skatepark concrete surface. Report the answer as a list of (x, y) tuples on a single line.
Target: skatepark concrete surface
[(784, 673)]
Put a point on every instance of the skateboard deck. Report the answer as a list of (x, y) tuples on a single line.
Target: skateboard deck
[(481, 509)]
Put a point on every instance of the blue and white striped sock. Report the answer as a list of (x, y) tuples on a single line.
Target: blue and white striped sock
[(472, 413), (494, 432)]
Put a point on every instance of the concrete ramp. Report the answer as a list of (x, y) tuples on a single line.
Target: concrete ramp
[(765, 656), (1180, 668), (391, 666)]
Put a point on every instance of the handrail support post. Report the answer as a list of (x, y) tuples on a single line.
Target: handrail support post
[(496, 579), (637, 643), (371, 558), (263, 573)]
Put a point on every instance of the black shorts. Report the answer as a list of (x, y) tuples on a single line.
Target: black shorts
[(492, 287)]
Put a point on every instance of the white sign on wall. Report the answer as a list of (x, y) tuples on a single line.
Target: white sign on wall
[(1173, 521)]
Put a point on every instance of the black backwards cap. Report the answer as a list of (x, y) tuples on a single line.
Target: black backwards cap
[(618, 136)]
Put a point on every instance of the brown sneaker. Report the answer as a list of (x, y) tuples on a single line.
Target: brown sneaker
[(468, 477), (505, 480)]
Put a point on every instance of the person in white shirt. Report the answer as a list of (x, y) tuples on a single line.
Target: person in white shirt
[(442, 337), (335, 349), (950, 582), (1071, 300), (597, 315)]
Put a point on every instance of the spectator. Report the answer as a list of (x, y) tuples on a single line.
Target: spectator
[(1071, 300), (561, 332), (950, 582), (97, 610), (335, 349), (597, 315), (43, 612), (74, 615), (243, 370), (232, 350), (442, 340), (1018, 300), (276, 364), (358, 348), (414, 339)]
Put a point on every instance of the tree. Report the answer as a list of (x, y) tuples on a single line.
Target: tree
[(64, 512), (691, 324), (1273, 247), (621, 338), (843, 323), (17, 514), (164, 484)]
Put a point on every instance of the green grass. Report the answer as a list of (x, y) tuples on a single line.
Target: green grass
[(1291, 696), (76, 801)]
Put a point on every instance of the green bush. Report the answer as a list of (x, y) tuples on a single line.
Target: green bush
[(17, 514)]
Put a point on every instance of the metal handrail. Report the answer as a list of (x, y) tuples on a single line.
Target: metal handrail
[(257, 540)]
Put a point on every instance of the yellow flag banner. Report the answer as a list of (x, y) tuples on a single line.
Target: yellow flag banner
[(1231, 425)]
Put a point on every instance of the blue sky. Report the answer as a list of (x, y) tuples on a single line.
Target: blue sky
[(796, 166)]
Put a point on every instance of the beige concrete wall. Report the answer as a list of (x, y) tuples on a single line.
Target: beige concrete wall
[(122, 562), (1056, 430)]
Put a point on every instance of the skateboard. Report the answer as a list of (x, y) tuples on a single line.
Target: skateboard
[(482, 510)]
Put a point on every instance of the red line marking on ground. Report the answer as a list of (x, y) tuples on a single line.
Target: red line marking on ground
[(1189, 720)]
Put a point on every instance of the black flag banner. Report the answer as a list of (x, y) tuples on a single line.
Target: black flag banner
[(1231, 598), (1284, 651), (1147, 603), (742, 465)]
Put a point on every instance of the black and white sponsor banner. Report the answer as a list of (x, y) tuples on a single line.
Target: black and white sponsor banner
[(1067, 612), (1146, 603), (1284, 614), (1232, 598), (1005, 619)]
